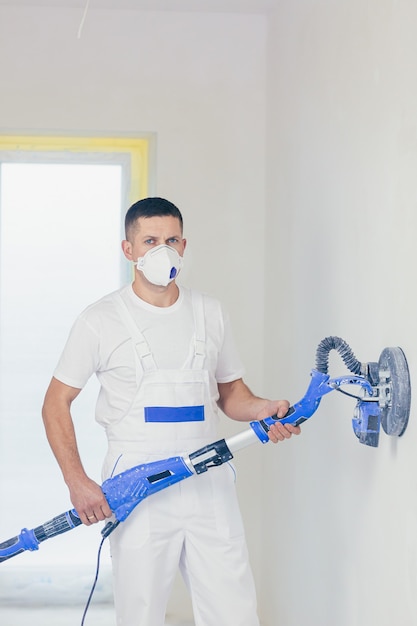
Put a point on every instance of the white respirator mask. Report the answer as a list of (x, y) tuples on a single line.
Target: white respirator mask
[(160, 265)]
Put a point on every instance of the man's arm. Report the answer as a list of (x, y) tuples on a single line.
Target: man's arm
[(86, 495), (238, 402)]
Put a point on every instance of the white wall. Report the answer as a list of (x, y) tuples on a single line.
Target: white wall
[(339, 519), (341, 225), (198, 82)]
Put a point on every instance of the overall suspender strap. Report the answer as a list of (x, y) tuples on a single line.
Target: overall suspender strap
[(200, 331), (141, 345)]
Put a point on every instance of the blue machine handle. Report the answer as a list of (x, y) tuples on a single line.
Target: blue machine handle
[(30, 539), (320, 385), (123, 493)]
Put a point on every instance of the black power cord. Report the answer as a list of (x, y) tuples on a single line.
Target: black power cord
[(109, 527), (94, 583)]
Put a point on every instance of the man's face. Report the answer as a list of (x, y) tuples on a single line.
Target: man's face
[(151, 232)]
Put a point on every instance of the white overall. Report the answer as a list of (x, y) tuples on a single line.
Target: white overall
[(194, 525)]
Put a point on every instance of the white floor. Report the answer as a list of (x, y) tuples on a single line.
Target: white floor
[(56, 596), (56, 616), (100, 615)]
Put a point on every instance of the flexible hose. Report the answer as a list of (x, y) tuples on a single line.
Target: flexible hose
[(336, 343)]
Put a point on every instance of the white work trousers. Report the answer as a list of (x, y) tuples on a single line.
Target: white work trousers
[(194, 525)]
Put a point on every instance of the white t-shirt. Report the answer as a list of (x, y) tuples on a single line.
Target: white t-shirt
[(100, 343)]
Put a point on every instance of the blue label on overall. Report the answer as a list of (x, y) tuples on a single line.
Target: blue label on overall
[(174, 414)]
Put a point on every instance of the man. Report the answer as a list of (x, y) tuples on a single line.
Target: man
[(166, 361)]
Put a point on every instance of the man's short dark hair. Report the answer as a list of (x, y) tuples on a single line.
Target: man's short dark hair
[(149, 207)]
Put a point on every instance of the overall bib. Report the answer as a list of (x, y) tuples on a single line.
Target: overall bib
[(195, 524)]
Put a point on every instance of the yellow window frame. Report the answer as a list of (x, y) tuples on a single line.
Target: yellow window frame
[(137, 148)]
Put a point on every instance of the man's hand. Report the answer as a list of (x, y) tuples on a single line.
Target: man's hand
[(278, 431), (89, 502)]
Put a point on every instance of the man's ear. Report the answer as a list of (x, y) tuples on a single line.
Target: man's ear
[(127, 249)]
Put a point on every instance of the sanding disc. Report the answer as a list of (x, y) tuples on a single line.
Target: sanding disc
[(395, 391)]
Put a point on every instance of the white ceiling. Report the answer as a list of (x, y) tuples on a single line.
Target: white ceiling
[(205, 6)]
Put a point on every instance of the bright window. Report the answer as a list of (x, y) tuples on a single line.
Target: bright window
[(61, 222)]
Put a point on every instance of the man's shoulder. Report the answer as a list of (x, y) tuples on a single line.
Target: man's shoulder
[(190, 291), (105, 305), (214, 312), (208, 300)]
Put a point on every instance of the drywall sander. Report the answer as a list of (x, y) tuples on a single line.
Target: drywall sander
[(382, 394)]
